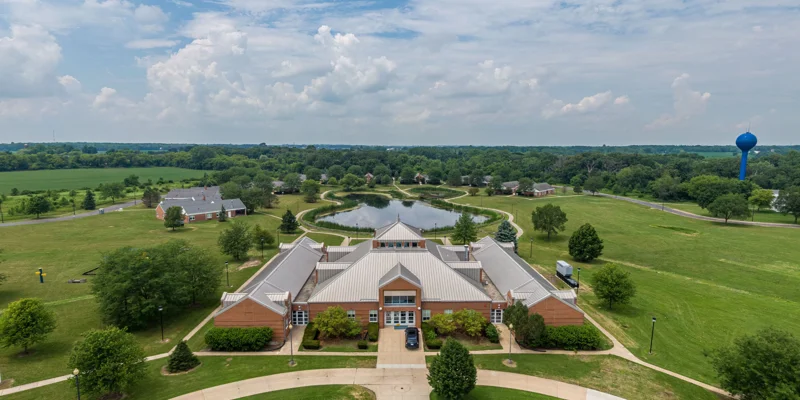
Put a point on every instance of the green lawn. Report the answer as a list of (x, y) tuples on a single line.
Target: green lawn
[(322, 392), (344, 346), (89, 177), (67, 249), (214, 371), (499, 393), (354, 242), (609, 374), (330, 240), (707, 283), (293, 203), (760, 216)]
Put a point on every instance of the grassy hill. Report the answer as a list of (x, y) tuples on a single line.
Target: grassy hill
[(90, 177)]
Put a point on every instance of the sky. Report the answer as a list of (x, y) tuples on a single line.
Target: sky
[(400, 72)]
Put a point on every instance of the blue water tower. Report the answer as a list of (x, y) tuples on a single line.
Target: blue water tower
[(745, 142)]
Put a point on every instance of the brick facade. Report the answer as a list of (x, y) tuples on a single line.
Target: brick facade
[(248, 313)]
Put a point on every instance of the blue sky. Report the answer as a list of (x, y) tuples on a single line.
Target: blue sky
[(524, 72)]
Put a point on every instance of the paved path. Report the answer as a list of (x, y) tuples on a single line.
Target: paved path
[(389, 384), (662, 207), (508, 214), (392, 352), (107, 209)]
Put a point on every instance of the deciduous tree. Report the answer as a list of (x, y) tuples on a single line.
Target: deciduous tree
[(762, 198), (173, 218), (38, 205), (262, 237), (594, 184), (613, 284), (310, 189), (549, 219), (113, 191), (25, 322), (465, 230), (334, 323), (351, 182), (788, 202), (584, 244), (110, 361), (236, 241), (729, 206), (151, 197)]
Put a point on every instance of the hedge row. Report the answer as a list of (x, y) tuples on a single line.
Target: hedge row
[(573, 337), (492, 334), (238, 339), (372, 331), (310, 336)]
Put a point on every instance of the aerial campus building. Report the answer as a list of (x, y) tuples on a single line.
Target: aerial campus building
[(396, 278)]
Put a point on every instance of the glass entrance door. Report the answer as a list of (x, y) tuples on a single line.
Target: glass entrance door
[(399, 318), (497, 316)]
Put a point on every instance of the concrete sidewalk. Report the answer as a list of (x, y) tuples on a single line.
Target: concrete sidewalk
[(392, 352)]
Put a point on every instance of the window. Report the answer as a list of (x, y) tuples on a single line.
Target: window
[(383, 244), (373, 315), (414, 244), (399, 300), (191, 218), (209, 216), (391, 244), (351, 314), (448, 311), (426, 315), (399, 244)]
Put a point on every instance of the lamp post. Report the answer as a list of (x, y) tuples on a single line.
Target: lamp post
[(227, 275), (434, 230), (278, 231), (161, 317), (291, 347), (510, 327), (531, 253), (652, 331), (262, 248), (76, 374), (579, 282), (356, 230)]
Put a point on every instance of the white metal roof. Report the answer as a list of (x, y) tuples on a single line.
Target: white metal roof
[(360, 282), (465, 264), (332, 265), (398, 232)]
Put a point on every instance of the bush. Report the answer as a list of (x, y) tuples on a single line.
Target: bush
[(238, 339), (444, 324), (311, 344), (182, 359), (470, 322), (372, 331), (492, 334), (363, 345), (428, 333), (311, 332), (573, 337), (434, 344), (452, 373), (334, 323)]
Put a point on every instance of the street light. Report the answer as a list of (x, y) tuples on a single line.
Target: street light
[(278, 231), (262, 248), (531, 253), (76, 374), (579, 282), (356, 230), (652, 331), (291, 347), (510, 327), (161, 315), (434, 231), (227, 275)]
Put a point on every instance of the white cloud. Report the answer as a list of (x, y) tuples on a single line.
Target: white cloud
[(687, 103), (587, 104), (70, 84), (150, 18), (28, 60), (151, 43), (104, 98)]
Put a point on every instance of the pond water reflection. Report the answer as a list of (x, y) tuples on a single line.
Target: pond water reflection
[(376, 211)]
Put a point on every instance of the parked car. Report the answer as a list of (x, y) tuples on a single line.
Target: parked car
[(412, 338)]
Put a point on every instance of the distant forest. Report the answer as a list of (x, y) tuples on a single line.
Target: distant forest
[(656, 170)]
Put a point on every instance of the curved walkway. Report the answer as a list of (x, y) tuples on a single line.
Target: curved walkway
[(113, 207), (686, 214), (392, 383)]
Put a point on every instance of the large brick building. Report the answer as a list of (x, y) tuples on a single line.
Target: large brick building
[(396, 278), (200, 204)]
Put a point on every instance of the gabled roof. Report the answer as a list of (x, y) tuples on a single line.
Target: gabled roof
[(360, 282), (194, 207), (399, 232), (510, 184), (510, 273), (542, 186), (399, 272), (194, 193)]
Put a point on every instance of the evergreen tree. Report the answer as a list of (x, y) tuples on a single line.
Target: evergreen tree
[(289, 223), (453, 373), (506, 234), (182, 359), (88, 201), (584, 244), (465, 230), (173, 218), (236, 241), (223, 214), (25, 322)]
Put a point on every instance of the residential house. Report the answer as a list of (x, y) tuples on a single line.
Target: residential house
[(368, 177), (539, 190), (398, 278), (510, 187), (421, 178), (200, 204)]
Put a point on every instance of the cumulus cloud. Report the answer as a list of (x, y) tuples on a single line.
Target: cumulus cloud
[(150, 43), (28, 60), (587, 104), (70, 84), (687, 103), (150, 18)]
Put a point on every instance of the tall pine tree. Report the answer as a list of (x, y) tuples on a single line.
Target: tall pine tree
[(465, 230), (88, 201), (289, 223), (506, 234)]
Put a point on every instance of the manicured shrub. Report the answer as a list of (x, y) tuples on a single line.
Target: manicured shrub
[(470, 322), (428, 333), (492, 334), (573, 337), (434, 344), (452, 373), (311, 344), (372, 331), (182, 359), (311, 332), (334, 323), (363, 345), (238, 339), (444, 324)]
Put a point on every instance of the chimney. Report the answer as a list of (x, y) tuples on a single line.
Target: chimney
[(204, 197), (466, 253)]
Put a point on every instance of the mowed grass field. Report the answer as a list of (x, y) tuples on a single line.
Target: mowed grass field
[(88, 177), (761, 216), (67, 249), (706, 283)]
